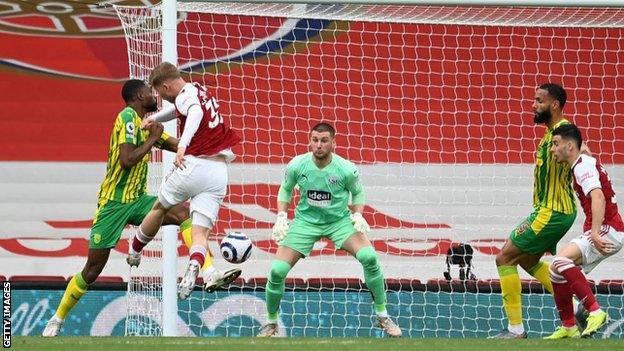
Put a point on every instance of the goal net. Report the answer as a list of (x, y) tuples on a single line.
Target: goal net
[(434, 104)]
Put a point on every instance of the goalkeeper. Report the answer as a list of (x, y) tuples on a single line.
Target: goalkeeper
[(325, 181)]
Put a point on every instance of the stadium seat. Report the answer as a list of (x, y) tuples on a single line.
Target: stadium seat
[(261, 281), (37, 278), (2, 278), (336, 283), (404, 284)]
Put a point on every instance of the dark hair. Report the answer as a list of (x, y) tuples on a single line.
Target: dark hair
[(130, 89), (569, 132), (557, 92), (325, 127)]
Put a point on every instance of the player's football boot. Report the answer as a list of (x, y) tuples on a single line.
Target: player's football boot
[(187, 284), (389, 327), (133, 259), (53, 327), (268, 330), (565, 333), (595, 321), (220, 278), (506, 334)]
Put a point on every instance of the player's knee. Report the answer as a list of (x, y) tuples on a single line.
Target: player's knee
[(560, 264), (367, 257), (279, 271)]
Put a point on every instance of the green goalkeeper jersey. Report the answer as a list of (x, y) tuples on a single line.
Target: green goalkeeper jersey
[(324, 192)]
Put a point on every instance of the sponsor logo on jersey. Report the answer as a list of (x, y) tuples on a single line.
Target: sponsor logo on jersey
[(319, 198)]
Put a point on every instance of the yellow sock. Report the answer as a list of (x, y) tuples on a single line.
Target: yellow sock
[(540, 272), (74, 291), (185, 229), (511, 289)]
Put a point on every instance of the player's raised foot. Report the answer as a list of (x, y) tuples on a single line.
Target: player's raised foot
[(506, 334), (187, 284), (595, 321), (53, 327), (564, 333), (268, 330), (389, 327), (220, 278), (133, 259)]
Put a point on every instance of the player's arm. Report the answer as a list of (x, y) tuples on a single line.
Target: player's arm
[(165, 114), (598, 205), (358, 199), (167, 142), (129, 153), (284, 195), (194, 116)]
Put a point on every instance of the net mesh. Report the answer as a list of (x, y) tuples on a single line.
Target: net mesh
[(434, 105)]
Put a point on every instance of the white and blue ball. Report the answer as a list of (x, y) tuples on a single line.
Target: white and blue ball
[(236, 247)]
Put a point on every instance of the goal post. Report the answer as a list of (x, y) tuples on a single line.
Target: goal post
[(432, 101)]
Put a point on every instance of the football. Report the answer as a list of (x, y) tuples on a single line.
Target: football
[(236, 247)]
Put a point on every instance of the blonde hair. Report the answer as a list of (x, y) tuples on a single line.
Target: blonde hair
[(163, 72)]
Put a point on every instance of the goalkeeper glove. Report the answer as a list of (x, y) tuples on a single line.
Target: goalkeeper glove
[(359, 223), (280, 227)]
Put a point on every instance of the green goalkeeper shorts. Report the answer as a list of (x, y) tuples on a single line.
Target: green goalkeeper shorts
[(541, 231), (301, 235), (112, 217)]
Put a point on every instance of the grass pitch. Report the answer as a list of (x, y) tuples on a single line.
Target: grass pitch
[(304, 344)]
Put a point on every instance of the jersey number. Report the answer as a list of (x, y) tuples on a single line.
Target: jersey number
[(211, 105)]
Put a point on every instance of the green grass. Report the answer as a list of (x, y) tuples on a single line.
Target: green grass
[(313, 344)]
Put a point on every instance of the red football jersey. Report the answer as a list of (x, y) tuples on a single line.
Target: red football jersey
[(213, 134), (590, 175)]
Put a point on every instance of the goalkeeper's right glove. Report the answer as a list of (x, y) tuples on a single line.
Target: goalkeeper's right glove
[(280, 227)]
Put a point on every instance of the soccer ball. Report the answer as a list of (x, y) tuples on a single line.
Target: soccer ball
[(236, 247)]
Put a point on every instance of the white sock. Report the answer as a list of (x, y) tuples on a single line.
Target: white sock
[(383, 314), (516, 329)]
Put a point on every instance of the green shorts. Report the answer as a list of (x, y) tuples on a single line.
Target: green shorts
[(112, 217), (541, 231), (301, 235)]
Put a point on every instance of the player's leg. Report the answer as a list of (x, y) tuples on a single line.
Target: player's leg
[(511, 288), (357, 244), (566, 267), (206, 183), (108, 225), (550, 226), (298, 243), (176, 215)]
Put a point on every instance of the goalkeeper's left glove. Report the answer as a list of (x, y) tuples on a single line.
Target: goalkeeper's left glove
[(359, 223)]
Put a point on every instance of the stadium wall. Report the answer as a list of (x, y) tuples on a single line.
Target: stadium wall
[(320, 313)]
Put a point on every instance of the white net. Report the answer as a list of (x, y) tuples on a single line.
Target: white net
[(434, 105)]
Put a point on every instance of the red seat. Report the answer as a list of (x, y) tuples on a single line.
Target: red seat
[(335, 283), (2, 278), (37, 278), (403, 284), (109, 279)]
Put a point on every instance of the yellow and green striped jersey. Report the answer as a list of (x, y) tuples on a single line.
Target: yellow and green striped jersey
[(552, 185), (125, 185)]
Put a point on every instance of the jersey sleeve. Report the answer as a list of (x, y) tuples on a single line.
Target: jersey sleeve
[(184, 101), (127, 133), (587, 177), (354, 185), (288, 183)]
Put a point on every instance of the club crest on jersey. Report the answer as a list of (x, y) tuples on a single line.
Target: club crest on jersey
[(319, 198), (302, 179), (332, 179)]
